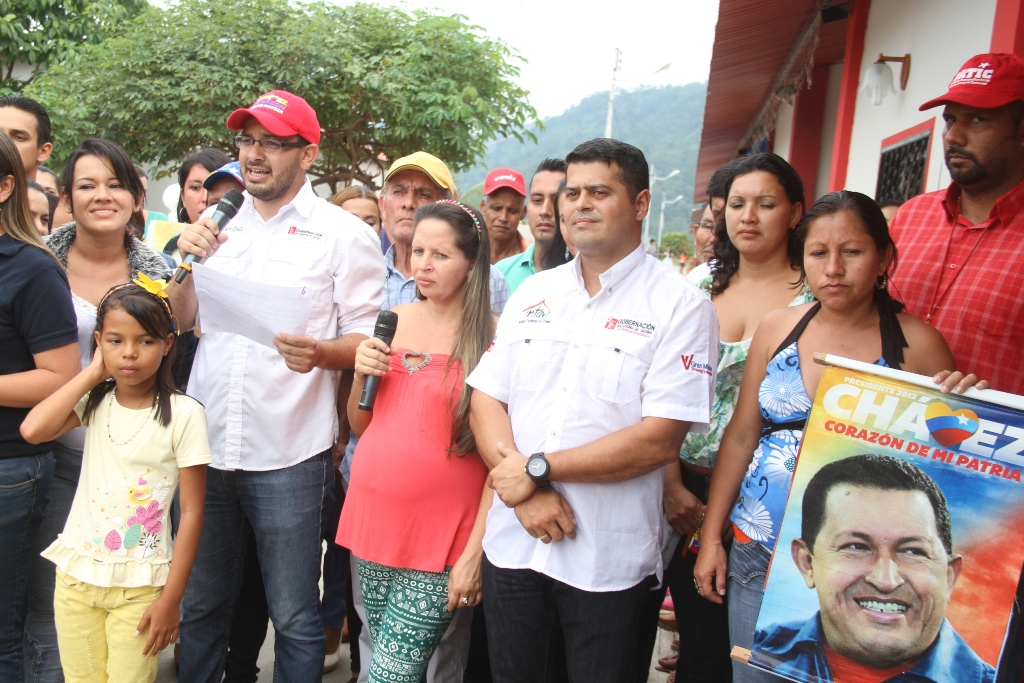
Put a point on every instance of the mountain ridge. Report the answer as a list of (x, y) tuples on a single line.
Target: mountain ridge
[(664, 122)]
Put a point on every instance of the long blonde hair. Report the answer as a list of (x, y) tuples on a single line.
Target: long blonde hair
[(353, 192), (15, 218), (476, 329)]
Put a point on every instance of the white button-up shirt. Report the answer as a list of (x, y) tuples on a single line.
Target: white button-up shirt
[(573, 369), (262, 415)]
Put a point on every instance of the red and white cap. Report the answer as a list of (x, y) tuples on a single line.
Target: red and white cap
[(985, 81), (281, 113), (504, 177)]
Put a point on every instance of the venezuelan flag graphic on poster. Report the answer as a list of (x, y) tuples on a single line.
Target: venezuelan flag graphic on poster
[(901, 546)]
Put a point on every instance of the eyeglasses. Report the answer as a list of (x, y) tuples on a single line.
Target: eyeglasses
[(705, 225), (268, 144)]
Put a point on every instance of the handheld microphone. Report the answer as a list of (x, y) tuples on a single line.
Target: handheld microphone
[(227, 207), (387, 323)]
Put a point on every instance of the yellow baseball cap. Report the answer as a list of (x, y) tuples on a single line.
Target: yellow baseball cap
[(427, 163)]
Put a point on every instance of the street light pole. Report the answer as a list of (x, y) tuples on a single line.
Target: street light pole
[(611, 97), (647, 218), (661, 220)]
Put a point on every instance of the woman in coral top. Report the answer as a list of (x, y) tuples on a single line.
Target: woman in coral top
[(416, 505)]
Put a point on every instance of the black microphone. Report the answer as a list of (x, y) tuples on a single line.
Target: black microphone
[(387, 323), (227, 207)]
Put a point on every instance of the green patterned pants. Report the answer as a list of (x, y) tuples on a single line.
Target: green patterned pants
[(407, 611)]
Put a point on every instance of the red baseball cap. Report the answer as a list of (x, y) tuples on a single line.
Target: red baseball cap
[(504, 177), (281, 113), (985, 81)]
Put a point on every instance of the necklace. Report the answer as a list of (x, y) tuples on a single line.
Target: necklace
[(110, 407)]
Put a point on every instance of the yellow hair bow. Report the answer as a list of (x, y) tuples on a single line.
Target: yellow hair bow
[(155, 287)]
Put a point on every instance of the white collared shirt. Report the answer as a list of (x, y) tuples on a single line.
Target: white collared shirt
[(573, 369), (262, 415)]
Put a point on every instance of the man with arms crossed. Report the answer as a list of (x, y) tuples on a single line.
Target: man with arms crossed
[(272, 412), (598, 385)]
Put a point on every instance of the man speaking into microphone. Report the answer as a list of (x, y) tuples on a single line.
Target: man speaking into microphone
[(272, 418)]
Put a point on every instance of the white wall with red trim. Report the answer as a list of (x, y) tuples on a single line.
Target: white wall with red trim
[(940, 36)]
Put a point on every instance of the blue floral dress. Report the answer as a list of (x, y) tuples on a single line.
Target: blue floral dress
[(785, 406)]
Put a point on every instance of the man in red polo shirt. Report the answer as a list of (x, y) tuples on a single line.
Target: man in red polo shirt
[(961, 249)]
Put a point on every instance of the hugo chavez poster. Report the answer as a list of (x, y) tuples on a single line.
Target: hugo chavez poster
[(900, 548)]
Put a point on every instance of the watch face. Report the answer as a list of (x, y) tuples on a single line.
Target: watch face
[(537, 467)]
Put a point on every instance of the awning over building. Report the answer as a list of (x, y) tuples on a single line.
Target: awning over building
[(762, 51)]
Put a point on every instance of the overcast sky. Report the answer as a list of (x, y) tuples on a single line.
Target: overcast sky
[(570, 45)]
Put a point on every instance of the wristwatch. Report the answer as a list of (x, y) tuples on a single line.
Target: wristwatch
[(538, 469)]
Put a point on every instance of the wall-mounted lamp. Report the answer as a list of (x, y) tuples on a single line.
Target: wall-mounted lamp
[(878, 79)]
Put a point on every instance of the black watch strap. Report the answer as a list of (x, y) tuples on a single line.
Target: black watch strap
[(543, 480)]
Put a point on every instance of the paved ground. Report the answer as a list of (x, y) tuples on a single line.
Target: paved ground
[(342, 673)]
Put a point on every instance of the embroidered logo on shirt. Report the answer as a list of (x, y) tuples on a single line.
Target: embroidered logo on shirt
[(695, 366), (640, 329), (299, 232), (537, 313)]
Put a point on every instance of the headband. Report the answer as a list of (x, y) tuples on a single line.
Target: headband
[(476, 221), (155, 287)]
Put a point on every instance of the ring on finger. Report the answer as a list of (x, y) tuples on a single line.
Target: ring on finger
[(464, 600), (696, 584), (548, 536)]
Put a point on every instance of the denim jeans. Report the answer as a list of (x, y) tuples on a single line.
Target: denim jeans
[(284, 509), (42, 657), (748, 566), (249, 622), (601, 628), (24, 492)]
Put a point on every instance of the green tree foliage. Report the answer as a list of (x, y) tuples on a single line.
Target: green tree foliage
[(678, 242), (664, 122), (36, 33), (384, 81)]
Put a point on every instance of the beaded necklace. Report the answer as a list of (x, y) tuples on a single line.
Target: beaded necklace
[(110, 407)]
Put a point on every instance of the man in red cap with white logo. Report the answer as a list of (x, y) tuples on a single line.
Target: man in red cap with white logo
[(271, 411), (961, 249), (503, 206)]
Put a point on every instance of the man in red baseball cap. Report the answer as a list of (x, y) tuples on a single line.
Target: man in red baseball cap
[(960, 248), (272, 409), (277, 144), (503, 206)]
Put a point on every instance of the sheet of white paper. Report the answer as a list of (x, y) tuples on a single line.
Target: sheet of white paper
[(251, 309)]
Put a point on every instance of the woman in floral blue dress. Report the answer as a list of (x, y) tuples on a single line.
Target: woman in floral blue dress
[(846, 255)]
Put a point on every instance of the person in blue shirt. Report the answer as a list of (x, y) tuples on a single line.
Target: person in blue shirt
[(541, 215), (876, 545)]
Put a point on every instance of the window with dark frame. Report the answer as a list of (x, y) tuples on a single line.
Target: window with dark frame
[(901, 168)]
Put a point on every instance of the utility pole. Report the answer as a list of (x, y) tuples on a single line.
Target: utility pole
[(661, 221), (611, 97), (647, 219)]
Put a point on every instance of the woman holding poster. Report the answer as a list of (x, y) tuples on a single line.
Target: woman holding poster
[(847, 254)]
